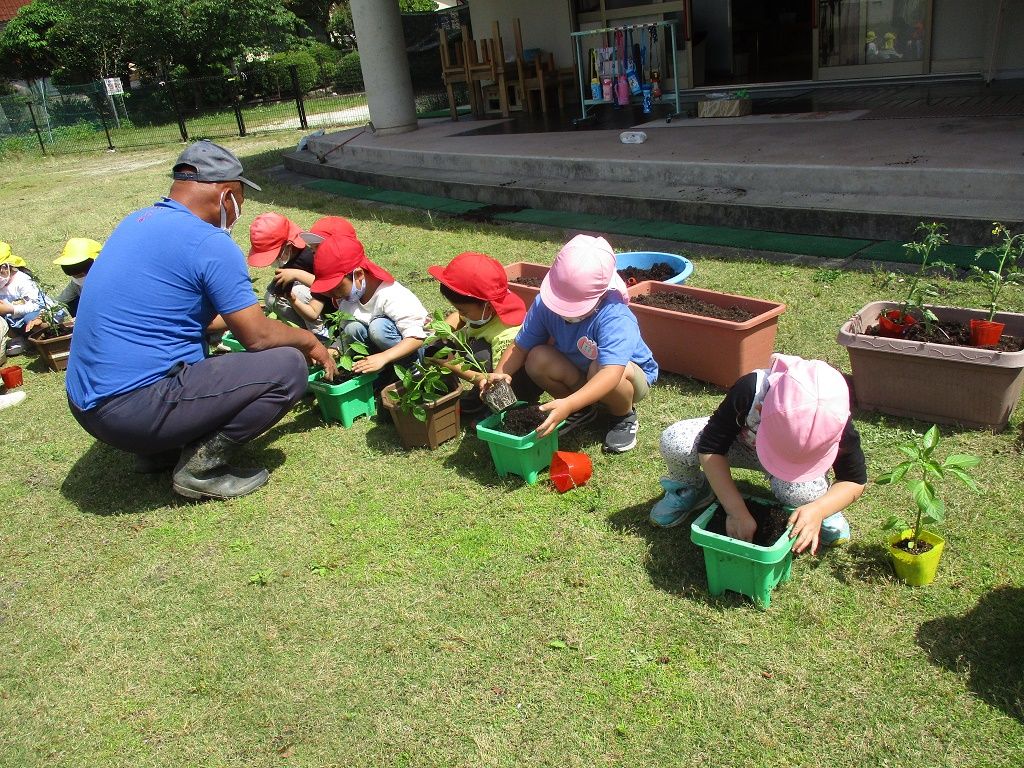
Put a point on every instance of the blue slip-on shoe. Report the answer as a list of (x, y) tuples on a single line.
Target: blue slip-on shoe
[(835, 531), (679, 501)]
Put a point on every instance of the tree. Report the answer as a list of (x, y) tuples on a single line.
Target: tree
[(24, 46), (340, 25)]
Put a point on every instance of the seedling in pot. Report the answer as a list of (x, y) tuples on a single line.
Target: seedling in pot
[(419, 385), (895, 322), (920, 472), (54, 318), (349, 352), (456, 356), (1009, 270)]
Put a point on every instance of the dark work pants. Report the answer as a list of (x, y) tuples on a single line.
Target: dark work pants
[(242, 394)]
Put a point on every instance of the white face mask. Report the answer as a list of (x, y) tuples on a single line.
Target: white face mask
[(480, 322), (224, 212), (355, 294), (79, 281)]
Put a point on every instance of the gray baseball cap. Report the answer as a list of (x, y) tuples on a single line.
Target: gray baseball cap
[(212, 162)]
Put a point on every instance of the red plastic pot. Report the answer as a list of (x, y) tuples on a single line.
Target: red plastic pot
[(986, 333), (570, 470), (894, 324), (12, 376)]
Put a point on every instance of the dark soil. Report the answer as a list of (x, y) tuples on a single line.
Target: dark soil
[(49, 332), (920, 549), (660, 272), (522, 421), (681, 302), (953, 334), (531, 282), (771, 522)]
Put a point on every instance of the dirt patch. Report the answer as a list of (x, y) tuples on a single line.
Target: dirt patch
[(771, 522), (952, 334), (681, 302), (920, 549), (522, 421), (659, 272), (531, 282)]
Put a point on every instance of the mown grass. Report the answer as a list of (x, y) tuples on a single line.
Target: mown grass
[(374, 606)]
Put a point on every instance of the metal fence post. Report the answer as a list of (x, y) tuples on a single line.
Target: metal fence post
[(235, 97), (177, 110), (35, 124), (300, 104), (106, 130)]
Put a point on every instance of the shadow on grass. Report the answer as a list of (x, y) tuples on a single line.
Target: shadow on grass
[(986, 644), (860, 563)]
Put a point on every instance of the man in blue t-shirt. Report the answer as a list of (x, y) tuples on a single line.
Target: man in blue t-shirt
[(138, 377)]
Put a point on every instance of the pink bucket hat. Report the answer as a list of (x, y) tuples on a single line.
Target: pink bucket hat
[(584, 270), (802, 418)]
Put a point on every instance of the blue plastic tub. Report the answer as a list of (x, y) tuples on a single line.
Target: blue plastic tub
[(647, 259)]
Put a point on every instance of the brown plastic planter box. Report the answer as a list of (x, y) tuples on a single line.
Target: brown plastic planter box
[(442, 420), (55, 351), (723, 108), (705, 348), (525, 269), (934, 382)]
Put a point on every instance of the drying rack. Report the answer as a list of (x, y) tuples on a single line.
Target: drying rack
[(584, 80)]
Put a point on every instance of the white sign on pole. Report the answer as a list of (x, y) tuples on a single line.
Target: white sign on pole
[(113, 85)]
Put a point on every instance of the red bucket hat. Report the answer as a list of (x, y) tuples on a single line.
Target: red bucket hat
[(269, 232), (333, 225), (338, 257), (480, 276)]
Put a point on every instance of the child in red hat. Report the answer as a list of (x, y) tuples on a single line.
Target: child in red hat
[(487, 313), (389, 318)]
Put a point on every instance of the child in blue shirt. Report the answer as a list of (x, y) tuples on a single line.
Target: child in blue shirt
[(597, 354)]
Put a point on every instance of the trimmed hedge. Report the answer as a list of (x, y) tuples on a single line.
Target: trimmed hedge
[(348, 75)]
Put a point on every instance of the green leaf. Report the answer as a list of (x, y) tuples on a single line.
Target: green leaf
[(557, 644), (892, 521), (360, 347), (932, 468), (911, 451), (931, 438), (969, 481), (924, 495), (937, 512), (961, 460)]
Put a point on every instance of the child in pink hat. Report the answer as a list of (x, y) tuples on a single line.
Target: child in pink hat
[(597, 354), (790, 421)]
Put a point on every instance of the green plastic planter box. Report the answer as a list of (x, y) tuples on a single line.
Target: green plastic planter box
[(525, 456), (740, 566), (347, 401), (229, 341)]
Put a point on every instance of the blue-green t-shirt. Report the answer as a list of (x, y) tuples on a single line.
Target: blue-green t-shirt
[(162, 276), (611, 336)]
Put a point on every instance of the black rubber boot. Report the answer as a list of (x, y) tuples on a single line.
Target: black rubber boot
[(203, 471)]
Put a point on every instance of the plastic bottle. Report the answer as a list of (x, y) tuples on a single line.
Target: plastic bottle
[(606, 89), (595, 89)]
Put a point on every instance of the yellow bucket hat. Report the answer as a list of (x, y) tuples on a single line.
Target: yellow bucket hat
[(6, 257), (77, 250)]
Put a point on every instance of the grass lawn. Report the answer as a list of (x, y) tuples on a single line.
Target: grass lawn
[(373, 606)]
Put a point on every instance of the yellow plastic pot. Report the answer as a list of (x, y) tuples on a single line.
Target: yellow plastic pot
[(916, 570)]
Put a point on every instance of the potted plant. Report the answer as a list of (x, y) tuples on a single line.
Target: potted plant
[(936, 376), (351, 395), (915, 552), (52, 337), (518, 450), (424, 405), (895, 323), (707, 335), (457, 357), (1008, 257), (753, 568)]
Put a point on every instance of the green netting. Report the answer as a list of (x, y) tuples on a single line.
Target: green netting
[(409, 199), (889, 250)]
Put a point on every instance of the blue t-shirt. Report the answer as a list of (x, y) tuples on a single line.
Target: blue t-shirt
[(611, 336), (163, 275)]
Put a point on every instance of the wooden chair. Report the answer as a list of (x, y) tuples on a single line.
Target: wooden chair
[(539, 74), (485, 63), (455, 72)]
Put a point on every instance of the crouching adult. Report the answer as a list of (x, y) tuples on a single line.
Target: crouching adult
[(139, 377)]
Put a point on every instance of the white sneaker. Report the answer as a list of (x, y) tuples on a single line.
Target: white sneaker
[(11, 398)]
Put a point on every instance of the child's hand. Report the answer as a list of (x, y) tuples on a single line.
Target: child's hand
[(740, 526), (489, 379), (557, 411), (370, 363), (806, 522)]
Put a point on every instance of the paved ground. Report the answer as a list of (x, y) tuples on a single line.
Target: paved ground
[(861, 162)]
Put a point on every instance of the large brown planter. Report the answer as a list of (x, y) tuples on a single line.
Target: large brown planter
[(442, 419), (54, 351), (705, 348), (525, 269), (934, 382)]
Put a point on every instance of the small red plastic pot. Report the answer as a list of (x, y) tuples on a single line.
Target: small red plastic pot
[(986, 333), (893, 324), (12, 376), (570, 470)]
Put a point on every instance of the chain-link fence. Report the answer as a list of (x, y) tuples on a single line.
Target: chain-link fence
[(291, 91), (81, 118)]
